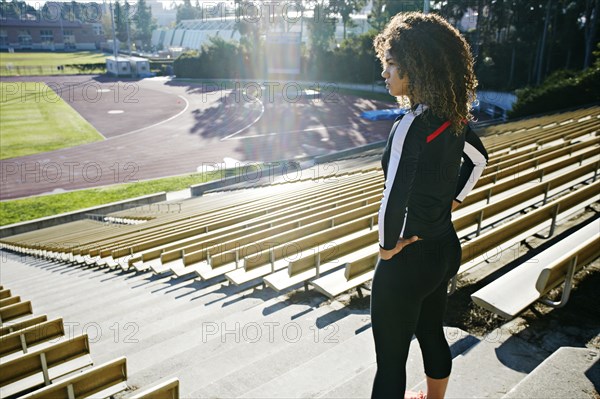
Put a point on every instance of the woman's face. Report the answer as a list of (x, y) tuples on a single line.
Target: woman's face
[(396, 85)]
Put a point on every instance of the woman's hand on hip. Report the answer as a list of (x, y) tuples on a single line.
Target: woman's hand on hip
[(387, 254)]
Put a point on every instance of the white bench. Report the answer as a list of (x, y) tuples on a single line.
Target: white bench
[(511, 293)]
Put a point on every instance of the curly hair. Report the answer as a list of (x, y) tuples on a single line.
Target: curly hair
[(437, 61)]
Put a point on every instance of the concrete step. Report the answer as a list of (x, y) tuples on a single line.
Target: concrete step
[(171, 320), (325, 374), (210, 337), (248, 344), (567, 373), (359, 385), (121, 286), (322, 332), (57, 281), (322, 372), (492, 367), (125, 317), (100, 299)]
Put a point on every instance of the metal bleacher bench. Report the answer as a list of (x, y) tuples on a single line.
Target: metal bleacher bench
[(8, 328), (361, 271), (192, 253), (23, 339), (311, 266), (168, 389), (9, 301), (41, 367), (344, 224), (328, 258), (15, 311), (101, 381), (210, 222), (510, 294)]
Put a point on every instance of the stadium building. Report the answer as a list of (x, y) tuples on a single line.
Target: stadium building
[(52, 35)]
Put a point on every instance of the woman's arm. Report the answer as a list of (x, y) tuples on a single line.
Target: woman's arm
[(475, 159), (405, 151)]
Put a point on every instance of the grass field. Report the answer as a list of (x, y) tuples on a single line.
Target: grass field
[(20, 210), (35, 119), (45, 63)]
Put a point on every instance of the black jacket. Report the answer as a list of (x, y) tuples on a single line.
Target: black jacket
[(423, 174)]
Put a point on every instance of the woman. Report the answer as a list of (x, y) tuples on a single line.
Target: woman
[(428, 66)]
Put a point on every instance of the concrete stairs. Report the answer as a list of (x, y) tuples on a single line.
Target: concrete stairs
[(567, 373), (230, 341), (492, 367)]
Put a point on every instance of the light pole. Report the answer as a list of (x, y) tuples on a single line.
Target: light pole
[(127, 14), (62, 30), (115, 53)]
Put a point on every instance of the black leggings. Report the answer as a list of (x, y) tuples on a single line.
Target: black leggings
[(409, 297)]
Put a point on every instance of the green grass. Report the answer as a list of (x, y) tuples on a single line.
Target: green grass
[(20, 210), (45, 63), (51, 59), (34, 119)]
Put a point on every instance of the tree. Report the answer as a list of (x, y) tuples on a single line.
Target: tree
[(321, 27), (393, 7), (527, 35), (383, 10), (144, 23), (357, 54), (249, 29), (120, 16), (217, 59), (592, 8), (453, 11), (186, 11), (16, 9), (107, 26), (130, 30), (345, 8), (198, 8)]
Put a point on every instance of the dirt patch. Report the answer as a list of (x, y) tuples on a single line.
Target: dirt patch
[(461, 312), (576, 324)]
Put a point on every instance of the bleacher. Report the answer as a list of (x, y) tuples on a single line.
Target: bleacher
[(320, 233), (39, 360)]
